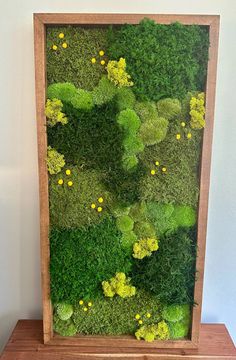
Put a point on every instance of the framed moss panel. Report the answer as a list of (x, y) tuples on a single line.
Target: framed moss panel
[(125, 110)]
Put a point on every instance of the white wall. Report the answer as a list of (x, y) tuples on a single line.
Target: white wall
[(20, 295)]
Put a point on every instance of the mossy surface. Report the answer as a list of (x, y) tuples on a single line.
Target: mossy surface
[(79, 260), (163, 60), (73, 64)]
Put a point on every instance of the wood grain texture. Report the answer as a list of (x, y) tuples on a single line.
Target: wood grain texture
[(26, 343), (40, 23)]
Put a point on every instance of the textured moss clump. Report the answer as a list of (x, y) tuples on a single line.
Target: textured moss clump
[(168, 61), (103, 92), (124, 223), (70, 206), (170, 272), (174, 313), (116, 316), (125, 99), (73, 64), (118, 285), (168, 108), (79, 257), (64, 327), (64, 311)]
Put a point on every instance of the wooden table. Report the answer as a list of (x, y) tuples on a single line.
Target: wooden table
[(25, 343)]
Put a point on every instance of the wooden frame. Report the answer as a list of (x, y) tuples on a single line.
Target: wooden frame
[(40, 23)]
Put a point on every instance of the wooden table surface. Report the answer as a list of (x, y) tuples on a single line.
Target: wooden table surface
[(25, 343)]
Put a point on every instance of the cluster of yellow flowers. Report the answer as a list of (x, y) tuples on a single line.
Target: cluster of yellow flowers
[(138, 318), (55, 161), (178, 136), (149, 333), (144, 247), (99, 208), (117, 74), (101, 54), (197, 111), (163, 168), (85, 307), (64, 44), (119, 285), (61, 181)]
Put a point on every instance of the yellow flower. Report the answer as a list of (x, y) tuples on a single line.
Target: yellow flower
[(61, 35), (64, 45), (148, 315), (178, 136), (81, 302), (140, 322), (100, 200), (101, 53), (70, 183), (90, 304), (183, 124), (68, 172), (164, 169), (85, 309), (93, 60), (93, 206), (102, 62), (153, 172), (99, 209), (137, 316), (60, 182), (54, 47), (189, 135), (157, 163)]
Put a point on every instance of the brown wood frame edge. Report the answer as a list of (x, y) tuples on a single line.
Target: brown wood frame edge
[(40, 22)]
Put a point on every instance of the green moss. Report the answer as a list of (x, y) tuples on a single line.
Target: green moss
[(55, 161), (53, 112), (74, 63), (79, 257), (127, 241), (116, 316), (138, 211), (184, 216), (83, 100), (62, 91), (64, 328), (133, 145), (146, 110), (179, 329), (124, 223), (170, 272), (129, 162), (164, 60), (64, 311), (129, 121), (70, 206), (151, 332), (144, 229), (104, 92), (125, 99), (174, 313), (153, 131), (168, 108)]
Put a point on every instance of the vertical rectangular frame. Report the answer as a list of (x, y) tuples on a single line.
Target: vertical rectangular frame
[(40, 23)]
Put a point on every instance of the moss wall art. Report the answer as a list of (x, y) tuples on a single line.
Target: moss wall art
[(125, 116)]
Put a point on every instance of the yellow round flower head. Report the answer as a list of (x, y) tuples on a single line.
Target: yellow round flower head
[(93, 60), (153, 172), (100, 200), (178, 136), (64, 45), (54, 47), (90, 304), (157, 163), (68, 172), (101, 53), (183, 124), (189, 135), (99, 209), (70, 183), (140, 322), (148, 315), (137, 316), (164, 169), (85, 309), (81, 302), (93, 206), (102, 62), (61, 35), (60, 181)]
